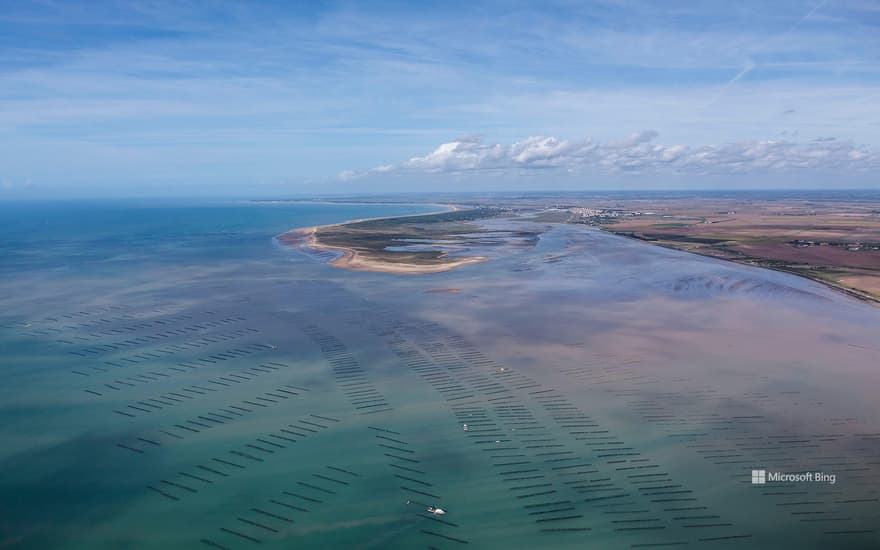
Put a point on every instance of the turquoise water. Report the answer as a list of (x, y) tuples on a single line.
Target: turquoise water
[(173, 378)]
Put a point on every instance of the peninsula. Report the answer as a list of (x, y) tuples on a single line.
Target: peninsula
[(420, 244), (835, 242)]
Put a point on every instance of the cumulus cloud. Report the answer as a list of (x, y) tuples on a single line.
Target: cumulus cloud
[(639, 153)]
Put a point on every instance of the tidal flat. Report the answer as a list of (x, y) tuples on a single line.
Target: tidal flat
[(414, 245), (173, 377), (832, 239)]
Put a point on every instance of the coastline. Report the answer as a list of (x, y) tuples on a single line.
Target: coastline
[(866, 298), (350, 259), (307, 238)]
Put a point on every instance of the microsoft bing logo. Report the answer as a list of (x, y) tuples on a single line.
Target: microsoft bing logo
[(759, 477)]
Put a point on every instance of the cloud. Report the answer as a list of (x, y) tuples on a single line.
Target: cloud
[(739, 76), (9, 185), (126, 94), (637, 154)]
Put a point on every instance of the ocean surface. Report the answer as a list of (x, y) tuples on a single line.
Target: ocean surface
[(174, 378)]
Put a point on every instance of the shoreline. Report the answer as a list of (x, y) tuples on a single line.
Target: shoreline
[(307, 237), (351, 203), (865, 298)]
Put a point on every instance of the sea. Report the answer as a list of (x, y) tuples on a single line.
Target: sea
[(173, 377)]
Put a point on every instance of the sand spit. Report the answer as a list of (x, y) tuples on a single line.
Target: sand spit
[(354, 262), (306, 238)]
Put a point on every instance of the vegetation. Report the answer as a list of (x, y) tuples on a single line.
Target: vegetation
[(430, 236)]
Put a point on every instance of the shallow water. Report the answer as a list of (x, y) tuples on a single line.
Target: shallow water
[(172, 378)]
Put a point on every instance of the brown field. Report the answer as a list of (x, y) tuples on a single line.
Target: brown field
[(835, 242)]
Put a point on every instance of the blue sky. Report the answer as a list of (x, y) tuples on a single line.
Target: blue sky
[(308, 97)]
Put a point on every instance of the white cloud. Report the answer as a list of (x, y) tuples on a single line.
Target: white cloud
[(242, 91), (9, 185), (636, 154)]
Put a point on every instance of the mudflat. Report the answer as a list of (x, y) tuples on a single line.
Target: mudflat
[(430, 243), (836, 242)]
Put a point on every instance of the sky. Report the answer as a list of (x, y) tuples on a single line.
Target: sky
[(258, 98)]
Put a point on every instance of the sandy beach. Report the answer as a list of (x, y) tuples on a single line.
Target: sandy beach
[(307, 238)]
